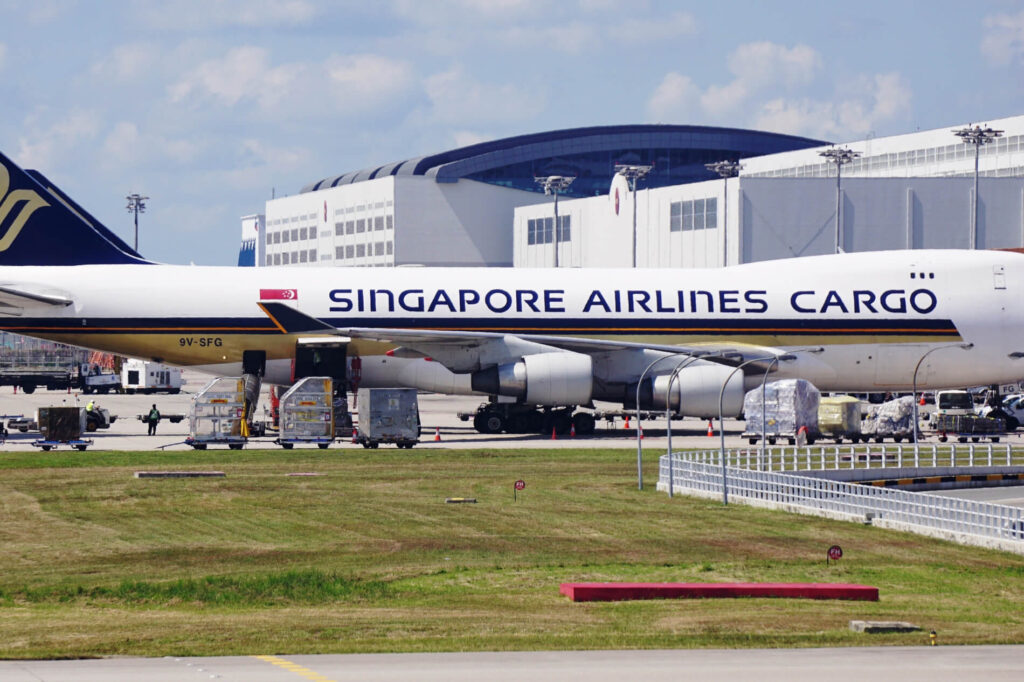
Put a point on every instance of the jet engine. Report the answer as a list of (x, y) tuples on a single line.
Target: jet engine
[(695, 391), (541, 379)]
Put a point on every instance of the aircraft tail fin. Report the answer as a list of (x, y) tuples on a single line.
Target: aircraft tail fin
[(41, 225)]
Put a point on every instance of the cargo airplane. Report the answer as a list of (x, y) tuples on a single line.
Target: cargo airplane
[(548, 337)]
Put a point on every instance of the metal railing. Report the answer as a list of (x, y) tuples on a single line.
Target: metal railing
[(964, 521), (834, 457)]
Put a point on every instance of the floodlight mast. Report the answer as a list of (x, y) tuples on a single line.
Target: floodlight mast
[(977, 136), (136, 205), (632, 173), (725, 170), (839, 156), (555, 184)]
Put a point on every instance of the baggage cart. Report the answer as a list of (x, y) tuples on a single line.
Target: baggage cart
[(217, 413), (307, 413), (388, 415)]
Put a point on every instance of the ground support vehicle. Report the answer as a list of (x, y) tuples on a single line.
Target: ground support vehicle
[(98, 418), (388, 415), (966, 427), (789, 411), (1011, 411), (839, 418), (88, 379), (496, 417), (173, 418), (21, 423), (218, 414), (141, 376), (307, 414)]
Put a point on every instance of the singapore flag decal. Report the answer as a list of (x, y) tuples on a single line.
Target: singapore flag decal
[(279, 294)]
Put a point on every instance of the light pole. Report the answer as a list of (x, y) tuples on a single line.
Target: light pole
[(136, 205), (632, 173), (554, 184), (725, 170), (964, 346), (683, 364), (839, 156), (639, 383), (976, 136)]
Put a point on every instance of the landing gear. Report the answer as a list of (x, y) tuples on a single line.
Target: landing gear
[(493, 418)]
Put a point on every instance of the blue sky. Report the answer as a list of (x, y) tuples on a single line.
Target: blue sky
[(209, 106)]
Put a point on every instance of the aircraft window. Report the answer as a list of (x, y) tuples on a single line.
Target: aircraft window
[(931, 275)]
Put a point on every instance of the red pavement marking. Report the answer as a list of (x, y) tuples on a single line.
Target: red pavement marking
[(627, 591)]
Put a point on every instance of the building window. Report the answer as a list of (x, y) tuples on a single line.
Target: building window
[(302, 233), (350, 227), (390, 221), (312, 255), (284, 236), (360, 250), (378, 223), (675, 216), (390, 248), (339, 252), (295, 234), (277, 259), (564, 234), (698, 214), (378, 248), (361, 225), (284, 259), (339, 229), (350, 252), (711, 213)]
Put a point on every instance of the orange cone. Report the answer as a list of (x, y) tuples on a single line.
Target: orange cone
[(553, 436), (641, 429), (922, 399), (572, 431), (711, 430), (437, 434), (625, 426), (355, 440)]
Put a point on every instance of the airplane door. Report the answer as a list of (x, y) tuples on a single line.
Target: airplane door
[(321, 360)]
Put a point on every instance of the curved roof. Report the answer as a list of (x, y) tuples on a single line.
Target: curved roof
[(678, 153)]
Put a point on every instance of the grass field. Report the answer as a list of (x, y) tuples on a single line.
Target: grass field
[(367, 557)]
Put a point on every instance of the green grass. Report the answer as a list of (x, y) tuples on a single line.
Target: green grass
[(367, 557)]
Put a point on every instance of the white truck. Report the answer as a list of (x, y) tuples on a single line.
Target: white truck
[(141, 376)]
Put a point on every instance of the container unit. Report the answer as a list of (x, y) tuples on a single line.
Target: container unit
[(141, 376), (388, 415), (307, 413), (839, 418), (61, 425), (217, 415)]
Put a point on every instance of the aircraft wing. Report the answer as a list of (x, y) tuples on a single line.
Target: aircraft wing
[(14, 300), (467, 350)]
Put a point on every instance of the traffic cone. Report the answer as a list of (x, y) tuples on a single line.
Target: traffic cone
[(553, 435), (437, 434), (625, 426), (641, 430), (572, 431), (711, 430), (922, 399), (355, 441)]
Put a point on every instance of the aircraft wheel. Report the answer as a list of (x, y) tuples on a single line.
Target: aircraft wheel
[(46, 448), (322, 446), (81, 448), (235, 446), (28, 388), (287, 446), (562, 423), (995, 439), (584, 423), (492, 422)]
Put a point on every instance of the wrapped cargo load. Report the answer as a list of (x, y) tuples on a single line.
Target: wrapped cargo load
[(892, 419), (790, 404)]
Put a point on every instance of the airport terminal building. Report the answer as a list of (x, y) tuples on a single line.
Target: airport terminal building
[(481, 205)]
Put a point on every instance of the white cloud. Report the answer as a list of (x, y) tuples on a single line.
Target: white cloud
[(187, 15), (675, 25), (571, 37), (760, 66), (457, 98), (43, 145), (674, 100), (466, 138), (338, 85), (127, 62), (1003, 42), (124, 145)]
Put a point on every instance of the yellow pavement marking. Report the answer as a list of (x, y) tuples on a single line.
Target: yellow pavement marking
[(295, 668)]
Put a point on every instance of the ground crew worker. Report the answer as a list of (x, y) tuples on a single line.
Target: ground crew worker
[(88, 406), (154, 417)]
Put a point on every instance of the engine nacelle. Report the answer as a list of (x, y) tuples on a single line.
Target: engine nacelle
[(541, 379), (696, 389)]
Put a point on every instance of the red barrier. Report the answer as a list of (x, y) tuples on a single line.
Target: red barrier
[(629, 591)]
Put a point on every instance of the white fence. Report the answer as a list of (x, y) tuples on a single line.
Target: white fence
[(963, 521), (832, 457)]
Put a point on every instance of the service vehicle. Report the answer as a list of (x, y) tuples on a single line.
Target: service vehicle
[(143, 376), (85, 377)]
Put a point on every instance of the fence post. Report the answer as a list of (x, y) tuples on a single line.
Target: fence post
[(990, 454)]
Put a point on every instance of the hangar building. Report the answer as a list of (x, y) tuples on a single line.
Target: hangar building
[(456, 207)]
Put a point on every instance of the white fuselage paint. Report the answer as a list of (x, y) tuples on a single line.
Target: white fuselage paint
[(876, 314)]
